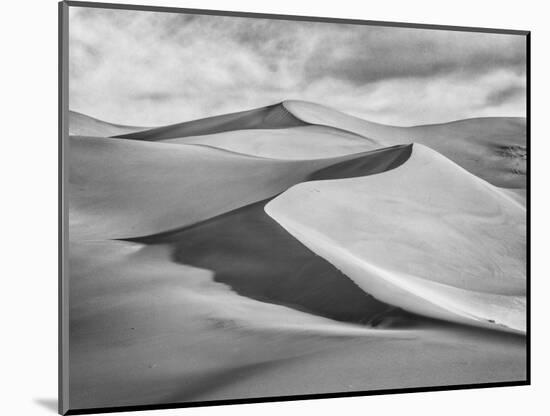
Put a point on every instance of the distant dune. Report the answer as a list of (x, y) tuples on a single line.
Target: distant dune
[(307, 142), (491, 148), (426, 236), (83, 125), (373, 162), (272, 117)]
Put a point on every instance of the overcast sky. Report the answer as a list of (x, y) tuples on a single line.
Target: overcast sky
[(143, 68)]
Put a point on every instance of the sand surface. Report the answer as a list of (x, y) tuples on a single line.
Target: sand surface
[(293, 249), (147, 330)]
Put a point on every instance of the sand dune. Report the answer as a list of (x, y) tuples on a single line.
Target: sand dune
[(126, 188), (271, 117), (183, 288), (426, 236), (258, 259), (491, 148), (83, 125), (307, 142)]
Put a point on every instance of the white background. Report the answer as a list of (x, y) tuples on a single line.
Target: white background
[(28, 163)]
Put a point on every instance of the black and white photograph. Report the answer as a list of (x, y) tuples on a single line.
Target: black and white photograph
[(260, 208)]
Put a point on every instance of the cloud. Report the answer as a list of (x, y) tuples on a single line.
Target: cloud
[(149, 68), (506, 94), (374, 54)]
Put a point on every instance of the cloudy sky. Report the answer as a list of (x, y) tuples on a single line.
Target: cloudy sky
[(145, 69)]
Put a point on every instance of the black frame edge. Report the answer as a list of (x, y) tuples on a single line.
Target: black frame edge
[(271, 399), (528, 202), (63, 350)]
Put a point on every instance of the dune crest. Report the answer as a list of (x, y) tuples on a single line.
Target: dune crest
[(293, 143), (492, 148), (128, 188), (426, 236), (275, 116), (83, 125)]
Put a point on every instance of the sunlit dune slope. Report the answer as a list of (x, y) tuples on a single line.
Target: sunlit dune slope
[(127, 188), (83, 125), (306, 142), (426, 236)]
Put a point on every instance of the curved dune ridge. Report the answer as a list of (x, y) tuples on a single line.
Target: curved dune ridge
[(251, 253), (275, 116), (126, 188), (492, 148), (83, 125), (427, 236), (306, 142), (155, 176)]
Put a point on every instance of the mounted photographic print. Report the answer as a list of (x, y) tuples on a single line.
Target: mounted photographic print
[(263, 207)]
